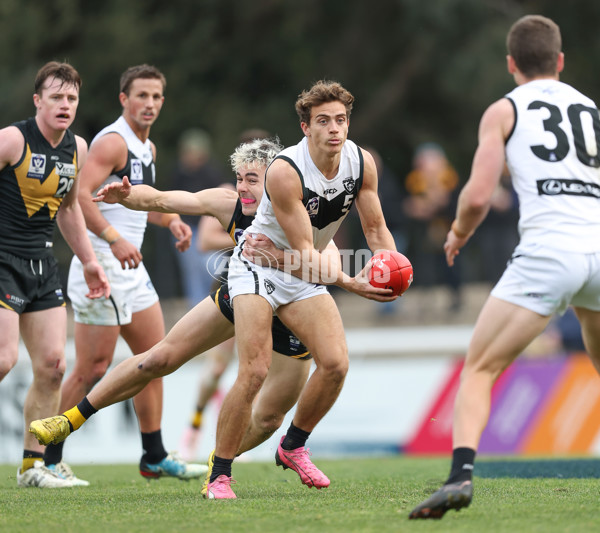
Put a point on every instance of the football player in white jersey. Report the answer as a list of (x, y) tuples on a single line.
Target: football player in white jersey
[(133, 309), (309, 189), (549, 134)]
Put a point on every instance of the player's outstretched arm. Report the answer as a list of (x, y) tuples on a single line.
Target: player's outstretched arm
[(217, 202)]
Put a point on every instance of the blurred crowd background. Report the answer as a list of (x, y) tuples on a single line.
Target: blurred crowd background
[(422, 73)]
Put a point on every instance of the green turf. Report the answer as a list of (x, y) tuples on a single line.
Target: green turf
[(365, 495)]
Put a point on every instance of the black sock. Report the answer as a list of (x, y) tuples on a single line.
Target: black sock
[(53, 453), (221, 467), (154, 451), (462, 465), (294, 438), (86, 408)]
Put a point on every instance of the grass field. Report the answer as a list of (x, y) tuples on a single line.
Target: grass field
[(365, 495)]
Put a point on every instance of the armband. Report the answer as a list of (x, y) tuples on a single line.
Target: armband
[(457, 232), (110, 235)]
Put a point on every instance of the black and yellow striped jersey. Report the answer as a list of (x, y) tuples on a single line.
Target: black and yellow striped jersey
[(239, 222), (32, 190)]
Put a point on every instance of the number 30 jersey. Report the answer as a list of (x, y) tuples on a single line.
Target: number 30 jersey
[(32, 190), (553, 155)]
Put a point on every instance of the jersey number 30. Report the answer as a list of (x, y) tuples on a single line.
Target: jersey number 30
[(577, 115)]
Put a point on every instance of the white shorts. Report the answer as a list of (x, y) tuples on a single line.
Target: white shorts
[(130, 291), (275, 286), (547, 281)]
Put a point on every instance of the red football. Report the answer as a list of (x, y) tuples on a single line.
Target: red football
[(391, 270)]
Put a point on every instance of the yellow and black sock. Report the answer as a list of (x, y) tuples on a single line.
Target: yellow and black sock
[(197, 419), (29, 458), (80, 413)]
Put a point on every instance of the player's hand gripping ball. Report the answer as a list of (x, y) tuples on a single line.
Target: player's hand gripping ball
[(391, 270)]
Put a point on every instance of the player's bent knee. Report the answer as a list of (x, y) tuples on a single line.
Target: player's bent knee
[(268, 424), (335, 370), (156, 364)]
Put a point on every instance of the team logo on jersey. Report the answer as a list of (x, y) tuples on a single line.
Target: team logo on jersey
[(137, 172), (269, 287), (65, 169), (312, 206), (37, 166), (349, 184), (556, 186), (237, 234)]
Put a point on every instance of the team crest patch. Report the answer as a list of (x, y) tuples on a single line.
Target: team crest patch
[(37, 166), (313, 207), (349, 184), (65, 169), (269, 287), (137, 173)]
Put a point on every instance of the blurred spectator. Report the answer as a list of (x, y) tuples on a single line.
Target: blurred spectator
[(498, 234), (429, 207), (195, 171)]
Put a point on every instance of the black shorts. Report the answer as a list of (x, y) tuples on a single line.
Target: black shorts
[(284, 341), (28, 285)]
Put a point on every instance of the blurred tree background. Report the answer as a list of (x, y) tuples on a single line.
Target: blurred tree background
[(421, 70)]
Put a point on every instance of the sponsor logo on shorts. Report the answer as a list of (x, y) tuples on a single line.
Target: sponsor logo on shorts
[(269, 287), (59, 294), (37, 166), (294, 343), (540, 296), (558, 186), (14, 299)]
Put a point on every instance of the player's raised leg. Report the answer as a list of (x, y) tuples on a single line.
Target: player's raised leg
[(199, 330)]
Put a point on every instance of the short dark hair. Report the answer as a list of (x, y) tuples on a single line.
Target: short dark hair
[(55, 70), (322, 92), (534, 42), (147, 72)]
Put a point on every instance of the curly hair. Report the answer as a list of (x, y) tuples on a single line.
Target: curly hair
[(255, 153), (322, 92)]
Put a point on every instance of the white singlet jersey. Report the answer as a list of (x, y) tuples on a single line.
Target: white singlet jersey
[(139, 169), (327, 201), (553, 154)]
